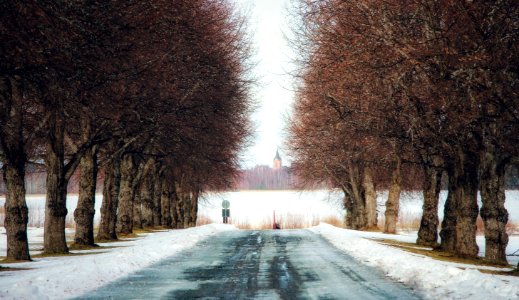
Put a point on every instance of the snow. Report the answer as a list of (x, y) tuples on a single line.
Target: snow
[(36, 205), (70, 276), (431, 278), (411, 203)]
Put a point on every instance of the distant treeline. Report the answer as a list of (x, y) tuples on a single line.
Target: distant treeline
[(257, 178), (265, 178)]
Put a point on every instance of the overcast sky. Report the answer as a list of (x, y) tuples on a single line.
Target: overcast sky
[(268, 23)]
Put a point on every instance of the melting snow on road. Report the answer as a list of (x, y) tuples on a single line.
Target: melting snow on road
[(431, 278), (70, 276)]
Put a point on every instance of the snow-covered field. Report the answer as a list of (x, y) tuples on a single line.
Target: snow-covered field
[(255, 207), (432, 279), (70, 276)]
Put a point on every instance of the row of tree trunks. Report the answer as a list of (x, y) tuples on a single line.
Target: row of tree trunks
[(85, 210), (16, 212), (393, 199)]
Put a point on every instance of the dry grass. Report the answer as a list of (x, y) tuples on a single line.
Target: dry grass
[(514, 272), (288, 221), (334, 220), (408, 222), (245, 224), (36, 217), (43, 255), (74, 246), (202, 220), (2, 215), (512, 228)]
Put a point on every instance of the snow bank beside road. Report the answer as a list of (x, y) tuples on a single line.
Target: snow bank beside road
[(433, 279), (69, 276)]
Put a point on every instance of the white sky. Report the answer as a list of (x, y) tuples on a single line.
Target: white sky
[(274, 94)]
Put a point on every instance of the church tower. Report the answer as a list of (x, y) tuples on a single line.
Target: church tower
[(277, 161)]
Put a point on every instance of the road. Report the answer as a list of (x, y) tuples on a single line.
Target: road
[(280, 264)]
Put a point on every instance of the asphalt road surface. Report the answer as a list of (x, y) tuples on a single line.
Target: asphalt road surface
[(280, 264)]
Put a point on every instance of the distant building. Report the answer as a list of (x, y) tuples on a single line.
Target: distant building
[(277, 161)]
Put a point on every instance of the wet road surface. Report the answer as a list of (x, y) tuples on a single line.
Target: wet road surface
[(281, 264)]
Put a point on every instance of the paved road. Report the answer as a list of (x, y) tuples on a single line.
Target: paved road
[(281, 264)]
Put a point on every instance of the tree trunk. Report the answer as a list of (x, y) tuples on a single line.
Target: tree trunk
[(493, 211), (166, 201), (348, 206), (12, 140), (370, 196), (137, 207), (180, 206), (463, 189), (85, 210), (157, 197), (108, 222), (194, 208), (186, 208), (137, 203), (428, 232), (147, 193), (54, 241), (126, 194), (115, 198), (357, 196), (16, 212), (467, 209), (175, 218), (393, 200), (448, 231)]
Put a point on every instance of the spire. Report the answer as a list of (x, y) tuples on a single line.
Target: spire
[(277, 161), (277, 155)]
